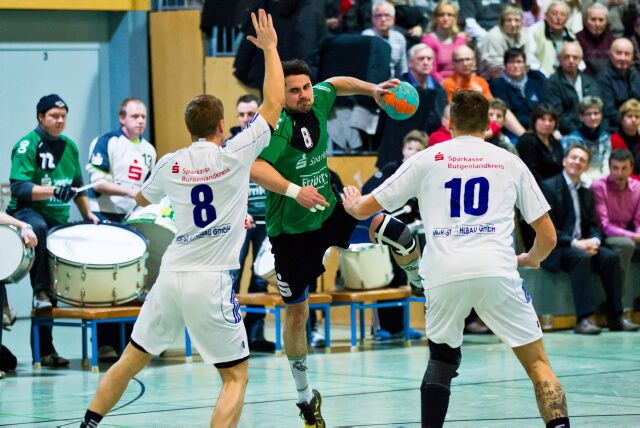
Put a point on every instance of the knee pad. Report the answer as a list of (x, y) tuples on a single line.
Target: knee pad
[(443, 365), (393, 233)]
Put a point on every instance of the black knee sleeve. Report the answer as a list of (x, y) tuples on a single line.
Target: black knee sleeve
[(436, 383), (395, 234)]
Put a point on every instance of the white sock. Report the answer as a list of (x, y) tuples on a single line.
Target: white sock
[(299, 370)]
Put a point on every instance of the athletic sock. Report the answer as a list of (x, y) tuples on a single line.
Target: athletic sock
[(299, 370), (559, 423), (91, 419)]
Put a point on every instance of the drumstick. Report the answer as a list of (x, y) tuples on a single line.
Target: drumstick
[(89, 186)]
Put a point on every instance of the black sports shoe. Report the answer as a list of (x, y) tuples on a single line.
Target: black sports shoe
[(310, 412)]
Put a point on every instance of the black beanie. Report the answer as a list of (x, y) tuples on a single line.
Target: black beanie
[(48, 102)]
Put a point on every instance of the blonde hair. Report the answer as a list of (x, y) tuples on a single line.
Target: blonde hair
[(454, 29), (629, 106)]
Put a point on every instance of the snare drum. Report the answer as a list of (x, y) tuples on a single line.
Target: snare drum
[(156, 223), (265, 263), (365, 266), (17, 259), (96, 265)]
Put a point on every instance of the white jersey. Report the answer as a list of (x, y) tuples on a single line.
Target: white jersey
[(467, 189), (128, 162), (208, 185)]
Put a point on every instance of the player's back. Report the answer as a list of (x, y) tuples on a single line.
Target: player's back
[(208, 185), (467, 193)]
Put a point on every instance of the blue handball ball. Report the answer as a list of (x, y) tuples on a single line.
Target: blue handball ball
[(401, 102)]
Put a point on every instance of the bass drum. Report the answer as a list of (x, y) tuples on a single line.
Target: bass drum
[(365, 266), (96, 265), (265, 263), (156, 223), (17, 259)]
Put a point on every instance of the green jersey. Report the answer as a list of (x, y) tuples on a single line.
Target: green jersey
[(298, 151), (45, 162)]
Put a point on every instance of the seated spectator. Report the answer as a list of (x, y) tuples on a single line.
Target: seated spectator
[(574, 20), (567, 86), (347, 16), (441, 134), (628, 137), (426, 118), (464, 76), (579, 251), (509, 34), (635, 40), (618, 11), (497, 114), (481, 15), (411, 19), (383, 18), (547, 37), (521, 90), (538, 148), (617, 201), (618, 80), (595, 39), (531, 12), (444, 38), (591, 134)]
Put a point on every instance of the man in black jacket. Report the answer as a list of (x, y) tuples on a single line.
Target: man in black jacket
[(578, 251), (562, 87)]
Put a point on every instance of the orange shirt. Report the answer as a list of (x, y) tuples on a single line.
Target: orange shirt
[(474, 82)]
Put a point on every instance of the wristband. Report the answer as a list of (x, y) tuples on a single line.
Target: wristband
[(292, 190)]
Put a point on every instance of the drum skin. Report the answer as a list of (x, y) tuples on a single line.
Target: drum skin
[(365, 266), (16, 259), (77, 279)]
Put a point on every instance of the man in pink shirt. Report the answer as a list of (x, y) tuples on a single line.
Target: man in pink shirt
[(617, 200)]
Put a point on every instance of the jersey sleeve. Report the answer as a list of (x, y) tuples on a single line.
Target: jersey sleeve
[(324, 94), (153, 189), (99, 165), (277, 143), (23, 161), (401, 186), (530, 199), (249, 142)]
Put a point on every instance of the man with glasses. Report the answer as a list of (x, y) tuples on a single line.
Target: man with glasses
[(383, 18)]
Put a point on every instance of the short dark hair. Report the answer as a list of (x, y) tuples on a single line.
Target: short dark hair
[(202, 115), (581, 147), (621, 155), (295, 67), (512, 53), (469, 111), (498, 104), (249, 98), (540, 111), (123, 106)]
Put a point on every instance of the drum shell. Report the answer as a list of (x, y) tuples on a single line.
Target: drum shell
[(26, 259), (264, 264), (96, 285), (365, 266)]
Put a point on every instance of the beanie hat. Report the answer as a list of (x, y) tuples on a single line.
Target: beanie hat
[(48, 102)]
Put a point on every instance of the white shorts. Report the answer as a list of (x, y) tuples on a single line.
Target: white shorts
[(206, 303), (502, 303)]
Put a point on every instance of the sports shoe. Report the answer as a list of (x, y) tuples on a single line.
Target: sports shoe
[(381, 335), (107, 354), (413, 334), (2, 374), (41, 301), (587, 326), (310, 412), (54, 360), (623, 324), (317, 338)]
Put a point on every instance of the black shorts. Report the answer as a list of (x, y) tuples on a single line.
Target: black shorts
[(298, 257)]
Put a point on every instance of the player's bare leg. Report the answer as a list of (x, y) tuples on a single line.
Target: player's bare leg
[(550, 396), (231, 397), (115, 381)]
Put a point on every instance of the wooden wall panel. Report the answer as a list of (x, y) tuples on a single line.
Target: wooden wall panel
[(177, 61), (220, 81), (106, 5)]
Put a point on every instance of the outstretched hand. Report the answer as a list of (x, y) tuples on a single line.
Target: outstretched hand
[(350, 196), (266, 36), (310, 198), (383, 88)]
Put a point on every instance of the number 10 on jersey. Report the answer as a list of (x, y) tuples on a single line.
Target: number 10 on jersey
[(471, 205), (204, 213)]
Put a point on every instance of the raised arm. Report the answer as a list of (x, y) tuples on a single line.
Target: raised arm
[(351, 86), (358, 206), (273, 86)]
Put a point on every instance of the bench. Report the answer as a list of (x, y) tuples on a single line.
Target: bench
[(382, 298), (273, 304), (88, 319)]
